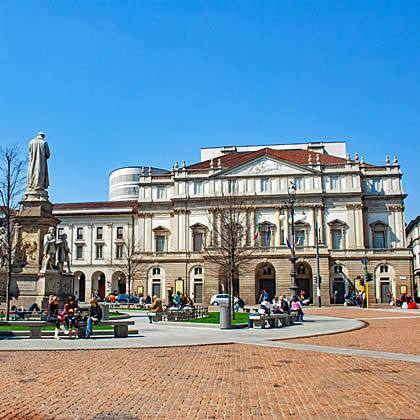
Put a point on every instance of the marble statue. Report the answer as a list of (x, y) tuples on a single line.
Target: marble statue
[(49, 250), (63, 253), (39, 153)]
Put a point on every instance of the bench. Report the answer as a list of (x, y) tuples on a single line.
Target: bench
[(273, 320), (120, 326)]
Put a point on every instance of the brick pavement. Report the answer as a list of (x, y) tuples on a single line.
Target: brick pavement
[(205, 382), (390, 335)]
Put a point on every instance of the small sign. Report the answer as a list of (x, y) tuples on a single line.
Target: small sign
[(403, 277)]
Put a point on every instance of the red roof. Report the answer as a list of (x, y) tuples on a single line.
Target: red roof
[(299, 156)]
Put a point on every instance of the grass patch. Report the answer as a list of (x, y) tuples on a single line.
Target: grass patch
[(116, 313), (214, 318)]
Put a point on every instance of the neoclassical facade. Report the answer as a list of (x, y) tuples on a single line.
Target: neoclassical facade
[(413, 242), (357, 208)]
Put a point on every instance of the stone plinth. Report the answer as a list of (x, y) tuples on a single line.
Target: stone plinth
[(35, 218)]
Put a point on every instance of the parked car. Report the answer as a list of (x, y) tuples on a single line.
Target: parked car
[(219, 299), (124, 299)]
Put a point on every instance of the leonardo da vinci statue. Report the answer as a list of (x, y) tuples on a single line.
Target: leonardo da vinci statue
[(39, 152)]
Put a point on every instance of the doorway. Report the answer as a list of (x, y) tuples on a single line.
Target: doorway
[(384, 291), (82, 287), (265, 279), (340, 288), (101, 285)]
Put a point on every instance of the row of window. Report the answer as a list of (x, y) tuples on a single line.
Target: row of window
[(99, 252), (99, 233)]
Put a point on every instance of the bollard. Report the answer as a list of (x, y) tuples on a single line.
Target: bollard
[(225, 320), (105, 312)]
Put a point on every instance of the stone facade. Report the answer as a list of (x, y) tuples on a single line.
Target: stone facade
[(358, 209), (413, 242)]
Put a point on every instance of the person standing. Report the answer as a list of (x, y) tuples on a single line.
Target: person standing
[(296, 306)]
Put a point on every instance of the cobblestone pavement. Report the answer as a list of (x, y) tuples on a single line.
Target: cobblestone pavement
[(400, 334), (205, 382)]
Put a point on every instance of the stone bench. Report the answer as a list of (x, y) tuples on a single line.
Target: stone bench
[(120, 326), (273, 320)]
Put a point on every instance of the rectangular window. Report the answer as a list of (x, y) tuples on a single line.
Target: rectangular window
[(120, 234), (379, 239), (60, 232), (336, 239), (300, 238), (160, 243), (198, 187), (79, 252), (299, 184), (334, 182), (265, 235), (79, 233), (160, 192), (377, 185), (119, 252), (198, 241), (265, 185), (99, 233), (99, 252), (232, 186)]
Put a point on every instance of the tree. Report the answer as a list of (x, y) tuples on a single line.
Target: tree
[(130, 263), (229, 247), (11, 190)]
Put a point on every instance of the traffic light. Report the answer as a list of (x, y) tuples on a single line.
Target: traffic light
[(368, 276)]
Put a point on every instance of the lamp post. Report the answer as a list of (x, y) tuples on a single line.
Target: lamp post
[(293, 259)]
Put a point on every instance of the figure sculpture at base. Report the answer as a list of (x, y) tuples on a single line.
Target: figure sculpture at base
[(49, 250), (63, 253)]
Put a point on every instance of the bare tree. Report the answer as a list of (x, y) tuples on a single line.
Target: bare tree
[(229, 249), (130, 263), (11, 190)]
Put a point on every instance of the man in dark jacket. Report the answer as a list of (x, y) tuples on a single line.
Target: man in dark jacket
[(95, 315), (284, 308)]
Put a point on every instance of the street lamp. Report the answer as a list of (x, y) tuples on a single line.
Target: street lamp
[(293, 259)]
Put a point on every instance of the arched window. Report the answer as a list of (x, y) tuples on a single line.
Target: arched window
[(383, 268), (301, 269), (156, 271), (198, 270)]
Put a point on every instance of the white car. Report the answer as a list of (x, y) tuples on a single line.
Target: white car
[(219, 299)]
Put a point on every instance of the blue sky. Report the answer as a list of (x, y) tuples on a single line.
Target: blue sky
[(120, 83)]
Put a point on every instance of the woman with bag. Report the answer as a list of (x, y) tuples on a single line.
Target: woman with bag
[(71, 316), (53, 316)]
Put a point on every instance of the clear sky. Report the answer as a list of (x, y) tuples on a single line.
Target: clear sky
[(120, 83)]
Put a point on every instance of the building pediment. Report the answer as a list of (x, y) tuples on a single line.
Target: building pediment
[(337, 222), (267, 165)]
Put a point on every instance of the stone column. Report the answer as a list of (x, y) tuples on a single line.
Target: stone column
[(321, 226), (278, 234), (111, 237), (313, 212), (248, 233), (351, 244), (253, 224)]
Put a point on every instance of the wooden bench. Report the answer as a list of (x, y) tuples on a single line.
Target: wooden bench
[(120, 326), (273, 320)]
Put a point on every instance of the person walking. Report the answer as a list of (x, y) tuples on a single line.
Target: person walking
[(95, 315)]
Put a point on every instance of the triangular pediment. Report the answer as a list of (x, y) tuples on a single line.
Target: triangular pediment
[(267, 165)]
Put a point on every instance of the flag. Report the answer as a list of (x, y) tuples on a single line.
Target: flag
[(268, 233), (288, 244), (257, 231)]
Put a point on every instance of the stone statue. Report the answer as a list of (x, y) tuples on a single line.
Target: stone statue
[(63, 253), (49, 250), (29, 250), (39, 152)]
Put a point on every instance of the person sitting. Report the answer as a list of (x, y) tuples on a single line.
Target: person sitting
[(71, 316), (251, 321), (95, 315), (148, 300), (284, 306), (265, 306), (53, 316), (177, 299), (170, 300), (112, 298), (276, 304), (239, 303), (296, 306), (156, 307)]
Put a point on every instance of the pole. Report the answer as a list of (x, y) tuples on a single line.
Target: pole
[(318, 278), (293, 259), (366, 284)]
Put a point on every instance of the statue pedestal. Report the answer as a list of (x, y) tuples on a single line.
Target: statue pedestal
[(28, 284)]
